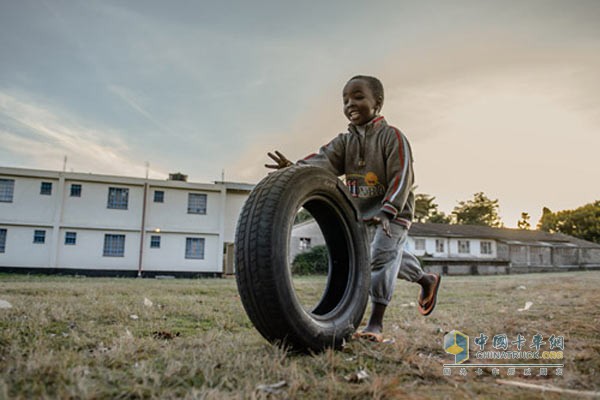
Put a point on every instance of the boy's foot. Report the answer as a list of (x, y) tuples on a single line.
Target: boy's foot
[(373, 337), (428, 296), (369, 336)]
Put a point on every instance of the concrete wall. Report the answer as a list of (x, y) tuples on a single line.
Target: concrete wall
[(173, 212), (450, 247), (589, 256), (307, 229), (518, 254), (565, 256), (171, 254), (540, 255), (20, 251), (28, 205), (91, 211), (88, 252), (233, 206)]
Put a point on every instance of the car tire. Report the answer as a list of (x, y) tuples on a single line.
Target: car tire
[(263, 273)]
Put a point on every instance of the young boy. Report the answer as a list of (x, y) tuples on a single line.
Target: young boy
[(377, 161)]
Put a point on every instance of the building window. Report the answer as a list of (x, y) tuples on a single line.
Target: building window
[(486, 247), (159, 196), (39, 236), (439, 245), (155, 242), (419, 244), (75, 190), (2, 240), (46, 188), (464, 246), (196, 203), (194, 248), (304, 243), (7, 188), (71, 238), (118, 198), (114, 246)]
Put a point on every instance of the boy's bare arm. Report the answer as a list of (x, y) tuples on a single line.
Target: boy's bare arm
[(280, 159)]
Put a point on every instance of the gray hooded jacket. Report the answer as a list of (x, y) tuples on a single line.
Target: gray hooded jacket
[(377, 166)]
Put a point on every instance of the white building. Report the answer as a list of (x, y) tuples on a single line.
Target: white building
[(75, 222)]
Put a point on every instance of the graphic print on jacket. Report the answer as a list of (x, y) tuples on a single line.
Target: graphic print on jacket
[(365, 186)]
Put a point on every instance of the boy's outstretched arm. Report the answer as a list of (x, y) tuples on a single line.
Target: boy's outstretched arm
[(280, 159)]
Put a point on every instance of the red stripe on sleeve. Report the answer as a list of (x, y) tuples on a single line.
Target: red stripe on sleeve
[(401, 157)]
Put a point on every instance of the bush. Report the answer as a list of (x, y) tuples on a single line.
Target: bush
[(313, 261)]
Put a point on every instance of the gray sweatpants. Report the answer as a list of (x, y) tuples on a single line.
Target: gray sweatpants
[(389, 261)]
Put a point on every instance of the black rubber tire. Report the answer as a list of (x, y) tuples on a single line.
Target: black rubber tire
[(263, 273)]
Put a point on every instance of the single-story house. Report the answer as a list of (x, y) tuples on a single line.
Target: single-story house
[(472, 249)]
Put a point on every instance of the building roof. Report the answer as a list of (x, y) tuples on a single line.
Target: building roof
[(125, 180), (500, 234)]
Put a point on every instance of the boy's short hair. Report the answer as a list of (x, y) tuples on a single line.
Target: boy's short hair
[(374, 84)]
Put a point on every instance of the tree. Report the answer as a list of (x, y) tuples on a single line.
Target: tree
[(440, 218), (479, 211), (302, 216), (427, 211), (582, 222), (523, 223)]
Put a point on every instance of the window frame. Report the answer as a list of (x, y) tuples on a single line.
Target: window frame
[(75, 193), (488, 246), (462, 244), (46, 188), (418, 242), (304, 243), (70, 238), (440, 244), (196, 209), (116, 201), (39, 236), (108, 250), (155, 241), (160, 198), (189, 255), (7, 190), (3, 235)]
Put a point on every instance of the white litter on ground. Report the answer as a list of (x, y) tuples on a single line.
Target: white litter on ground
[(528, 305), (5, 304)]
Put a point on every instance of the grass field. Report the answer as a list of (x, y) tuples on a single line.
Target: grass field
[(70, 337)]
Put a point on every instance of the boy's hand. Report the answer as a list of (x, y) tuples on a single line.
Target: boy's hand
[(280, 159), (383, 219)]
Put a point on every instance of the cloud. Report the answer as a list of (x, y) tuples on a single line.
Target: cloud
[(43, 137), (133, 101)]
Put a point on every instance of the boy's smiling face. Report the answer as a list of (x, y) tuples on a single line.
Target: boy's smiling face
[(360, 104)]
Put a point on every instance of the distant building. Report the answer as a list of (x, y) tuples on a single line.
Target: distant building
[(470, 249), (98, 224), (305, 235)]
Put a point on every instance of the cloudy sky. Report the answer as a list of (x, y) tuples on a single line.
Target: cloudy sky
[(495, 96)]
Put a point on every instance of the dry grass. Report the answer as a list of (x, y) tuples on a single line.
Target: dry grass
[(68, 337)]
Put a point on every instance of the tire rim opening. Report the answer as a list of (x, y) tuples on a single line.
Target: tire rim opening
[(319, 256)]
